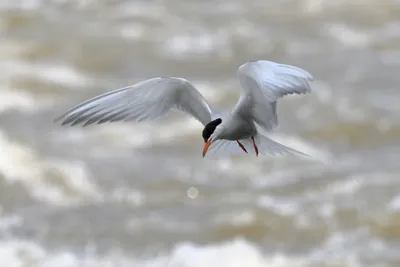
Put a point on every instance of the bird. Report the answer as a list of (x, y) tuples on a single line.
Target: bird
[(263, 83)]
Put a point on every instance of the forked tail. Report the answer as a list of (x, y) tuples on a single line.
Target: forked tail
[(269, 146), (265, 146)]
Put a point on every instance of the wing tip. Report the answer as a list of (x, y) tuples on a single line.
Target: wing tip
[(60, 120), (66, 120), (301, 72)]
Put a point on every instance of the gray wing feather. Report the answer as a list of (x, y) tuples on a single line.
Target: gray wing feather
[(264, 82), (146, 100)]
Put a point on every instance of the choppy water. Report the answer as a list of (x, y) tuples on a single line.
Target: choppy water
[(140, 195)]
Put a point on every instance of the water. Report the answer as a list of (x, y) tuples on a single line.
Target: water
[(141, 195)]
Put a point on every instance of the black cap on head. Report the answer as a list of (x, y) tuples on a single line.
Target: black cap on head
[(210, 128)]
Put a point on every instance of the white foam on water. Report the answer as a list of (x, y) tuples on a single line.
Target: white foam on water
[(281, 206), (119, 134), (61, 74), (58, 74), (343, 247), (150, 10), (348, 36), (22, 101), (52, 181), (322, 91), (13, 67), (20, 4), (235, 253), (131, 31), (25, 99), (212, 91), (9, 221), (236, 218), (180, 46), (394, 204), (324, 6), (128, 196), (36, 4)]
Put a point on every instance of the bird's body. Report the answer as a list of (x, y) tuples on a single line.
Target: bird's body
[(235, 128), (264, 82)]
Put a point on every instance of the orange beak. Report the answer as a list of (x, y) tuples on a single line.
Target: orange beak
[(206, 146)]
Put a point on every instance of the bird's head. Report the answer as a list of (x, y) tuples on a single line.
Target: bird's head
[(211, 133)]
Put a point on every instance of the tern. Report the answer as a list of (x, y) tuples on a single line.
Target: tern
[(263, 83)]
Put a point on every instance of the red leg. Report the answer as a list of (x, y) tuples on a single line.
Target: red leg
[(241, 146), (255, 146)]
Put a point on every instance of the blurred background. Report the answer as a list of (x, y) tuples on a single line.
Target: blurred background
[(140, 194)]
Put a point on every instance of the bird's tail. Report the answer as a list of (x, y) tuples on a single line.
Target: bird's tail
[(264, 144), (268, 146)]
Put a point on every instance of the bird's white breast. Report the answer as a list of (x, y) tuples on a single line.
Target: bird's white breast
[(236, 128)]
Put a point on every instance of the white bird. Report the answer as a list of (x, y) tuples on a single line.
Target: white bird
[(263, 83)]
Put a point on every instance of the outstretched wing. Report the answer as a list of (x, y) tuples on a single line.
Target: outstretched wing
[(264, 82), (146, 100)]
